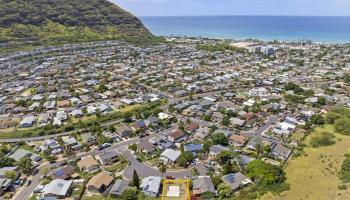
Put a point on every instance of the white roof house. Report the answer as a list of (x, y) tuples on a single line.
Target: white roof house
[(91, 110), (249, 103), (150, 185), (56, 121), (103, 107), (162, 116), (27, 121), (57, 188), (170, 155), (61, 115)]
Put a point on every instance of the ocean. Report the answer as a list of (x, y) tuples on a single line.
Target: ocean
[(317, 29)]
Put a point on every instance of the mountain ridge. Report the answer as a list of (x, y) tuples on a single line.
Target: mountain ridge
[(49, 22)]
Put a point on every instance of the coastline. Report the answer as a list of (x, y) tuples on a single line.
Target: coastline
[(321, 30)]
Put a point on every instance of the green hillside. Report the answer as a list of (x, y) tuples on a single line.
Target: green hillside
[(50, 22)]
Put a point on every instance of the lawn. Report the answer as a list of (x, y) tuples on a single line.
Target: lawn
[(130, 108), (313, 176), (116, 167)]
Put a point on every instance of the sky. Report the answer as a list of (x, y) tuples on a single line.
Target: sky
[(236, 7)]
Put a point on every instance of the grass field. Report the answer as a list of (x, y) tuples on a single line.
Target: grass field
[(314, 175), (130, 108)]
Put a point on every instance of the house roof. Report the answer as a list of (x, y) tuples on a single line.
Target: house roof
[(202, 185), (193, 147), (217, 149), (238, 138), (145, 145), (171, 154), (87, 162), (176, 134), (99, 180), (107, 155), (235, 180), (87, 137), (63, 172), (58, 187), (119, 186), (151, 184)]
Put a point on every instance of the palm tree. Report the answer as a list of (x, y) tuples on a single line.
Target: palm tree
[(162, 168)]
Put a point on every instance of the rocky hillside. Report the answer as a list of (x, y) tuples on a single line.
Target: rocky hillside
[(38, 22)]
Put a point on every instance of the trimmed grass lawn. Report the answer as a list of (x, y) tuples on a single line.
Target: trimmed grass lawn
[(313, 176), (130, 108), (116, 167)]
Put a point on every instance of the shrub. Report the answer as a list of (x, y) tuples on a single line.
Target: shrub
[(323, 139), (345, 170), (342, 126)]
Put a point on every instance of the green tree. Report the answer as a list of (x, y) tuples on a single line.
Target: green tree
[(264, 173), (331, 117), (111, 129), (25, 165), (342, 126), (185, 159), (6, 162), (133, 147), (317, 119), (135, 180), (323, 139), (129, 194), (10, 174), (162, 168), (219, 138), (207, 144), (224, 157), (224, 191), (226, 121)]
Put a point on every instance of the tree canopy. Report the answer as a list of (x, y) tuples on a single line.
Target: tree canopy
[(264, 173)]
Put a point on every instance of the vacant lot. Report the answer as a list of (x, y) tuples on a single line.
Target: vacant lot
[(314, 175)]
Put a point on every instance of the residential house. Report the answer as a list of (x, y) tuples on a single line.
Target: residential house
[(71, 143), (124, 131), (64, 172), (88, 164), (99, 183), (202, 133), (58, 188), (237, 140), (118, 188), (107, 158), (88, 139), (193, 148), (192, 127), (203, 185), (237, 122), (279, 151), (176, 136), (44, 119), (236, 181), (216, 149), (21, 153), (170, 155), (27, 121), (254, 142), (77, 113), (145, 147), (150, 186)]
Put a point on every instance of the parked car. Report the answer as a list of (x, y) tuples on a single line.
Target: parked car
[(170, 177)]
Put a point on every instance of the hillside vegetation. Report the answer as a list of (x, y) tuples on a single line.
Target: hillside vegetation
[(48, 22)]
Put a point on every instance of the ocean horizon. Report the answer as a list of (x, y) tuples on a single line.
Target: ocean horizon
[(327, 29)]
